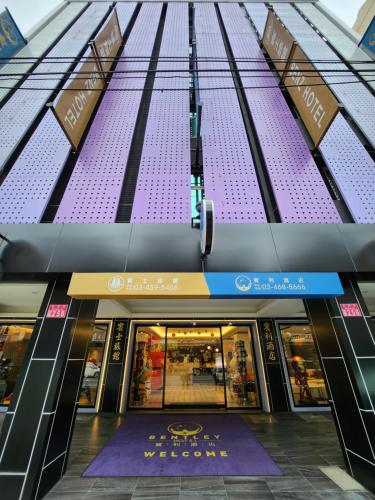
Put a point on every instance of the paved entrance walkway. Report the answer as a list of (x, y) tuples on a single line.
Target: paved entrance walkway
[(300, 444)]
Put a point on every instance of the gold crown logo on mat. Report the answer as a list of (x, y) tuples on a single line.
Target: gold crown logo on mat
[(185, 429)]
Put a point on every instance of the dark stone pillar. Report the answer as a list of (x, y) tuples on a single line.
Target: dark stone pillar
[(345, 336), (116, 365), (275, 377), (37, 430)]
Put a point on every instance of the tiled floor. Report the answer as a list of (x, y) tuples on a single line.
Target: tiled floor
[(299, 443)]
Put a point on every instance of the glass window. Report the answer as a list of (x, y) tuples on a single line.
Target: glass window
[(196, 194), (93, 366), (305, 373), (194, 367), (146, 390), (241, 385), (14, 339)]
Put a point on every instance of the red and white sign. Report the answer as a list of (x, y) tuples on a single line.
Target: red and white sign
[(350, 310), (57, 311)]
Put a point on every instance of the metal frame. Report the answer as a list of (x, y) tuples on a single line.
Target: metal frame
[(293, 406)]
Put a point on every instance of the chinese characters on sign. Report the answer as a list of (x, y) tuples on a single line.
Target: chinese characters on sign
[(118, 343), (350, 310), (278, 42), (268, 342), (57, 310)]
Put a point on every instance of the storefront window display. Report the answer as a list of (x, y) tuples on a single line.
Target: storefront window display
[(241, 387), (14, 339), (93, 366), (305, 373), (148, 368)]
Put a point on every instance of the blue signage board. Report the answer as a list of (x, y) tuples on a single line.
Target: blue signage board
[(269, 285), (368, 40), (11, 39)]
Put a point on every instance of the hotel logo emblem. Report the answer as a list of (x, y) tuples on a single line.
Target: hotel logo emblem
[(115, 284), (243, 283), (185, 429)]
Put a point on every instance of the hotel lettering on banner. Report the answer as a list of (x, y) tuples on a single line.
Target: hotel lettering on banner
[(312, 97), (75, 104)]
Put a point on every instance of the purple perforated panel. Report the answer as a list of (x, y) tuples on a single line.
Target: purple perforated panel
[(18, 114), (259, 13), (94, 189), (229, 175), (352, 168), (26, 190), (299, 189), (348, 161), (163, 186)]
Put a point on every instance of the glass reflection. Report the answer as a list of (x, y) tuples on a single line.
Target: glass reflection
[(305, 373), (148, 368), (14, 339), (239, 366), (93, 365)]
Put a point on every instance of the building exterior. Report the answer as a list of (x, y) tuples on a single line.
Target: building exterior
[(108, 303), (364, 17)]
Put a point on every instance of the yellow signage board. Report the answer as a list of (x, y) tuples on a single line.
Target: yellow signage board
[(314, 101), (138, 286), (278, 42), (74, 105)]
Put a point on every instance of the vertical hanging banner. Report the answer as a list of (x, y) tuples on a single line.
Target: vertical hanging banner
[(313, 99), (75, 104), (11, 39), (278, 42)]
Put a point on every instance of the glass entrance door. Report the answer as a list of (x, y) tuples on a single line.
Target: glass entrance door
[(209, 365), (194, 374)]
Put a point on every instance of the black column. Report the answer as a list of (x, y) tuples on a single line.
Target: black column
[(37, 430), (345, 337), (275, 378), (116, 365)]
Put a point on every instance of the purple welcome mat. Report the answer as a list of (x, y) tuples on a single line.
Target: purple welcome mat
[(183, 445)]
